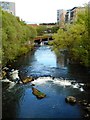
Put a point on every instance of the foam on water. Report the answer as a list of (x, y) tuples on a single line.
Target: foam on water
[(62, 82), (81, 89), (14, 75), (42, 80), (11, 84), (5, 80), (76, 85), (59, 82)]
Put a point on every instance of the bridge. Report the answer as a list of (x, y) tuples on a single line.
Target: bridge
[(45, 39)]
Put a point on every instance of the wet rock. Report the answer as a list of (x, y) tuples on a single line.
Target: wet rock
[(85, 103), (53, 78), (80, 101), (70, 99), (86, 116), (6, 73), (28, 79), (73, 83), (87, 109), (3, 74), (38, 94), (32, 84), (89, 105), (87, 86)]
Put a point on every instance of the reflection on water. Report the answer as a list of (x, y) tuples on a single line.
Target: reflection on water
[(55, 78), (45, 57)]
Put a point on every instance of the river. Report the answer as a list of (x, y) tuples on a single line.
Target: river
[(53, 77)]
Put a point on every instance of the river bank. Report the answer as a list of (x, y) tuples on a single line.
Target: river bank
[(53, 77)]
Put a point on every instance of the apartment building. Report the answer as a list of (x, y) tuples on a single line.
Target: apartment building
[(71, 15), (60, 16), (8, 6), (68, 16)]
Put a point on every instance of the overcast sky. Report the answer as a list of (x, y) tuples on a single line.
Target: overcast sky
[(43, 11)]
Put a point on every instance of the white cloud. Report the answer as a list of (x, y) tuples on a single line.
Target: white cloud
[(43, 10)]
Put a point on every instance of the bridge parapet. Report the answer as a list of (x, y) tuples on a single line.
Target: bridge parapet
[(43, 39), (45, 36)]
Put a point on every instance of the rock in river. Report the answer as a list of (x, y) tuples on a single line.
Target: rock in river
[(37, 93), (70, 99), (32, 84), (28, 79)]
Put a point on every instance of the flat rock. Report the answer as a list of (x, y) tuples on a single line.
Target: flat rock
[(38, 94)]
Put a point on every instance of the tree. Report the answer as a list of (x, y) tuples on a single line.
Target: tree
[(15, 35), (75, 39), (41, 30)]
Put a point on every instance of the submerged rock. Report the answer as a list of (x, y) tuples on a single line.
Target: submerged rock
[(37, 93), (28, 79), (70, 99)]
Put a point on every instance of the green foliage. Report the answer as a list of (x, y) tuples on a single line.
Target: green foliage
[(15, 35), (0, 55), (54, 29), (45, 29), (32, 32), (41, 30), (75, 39)]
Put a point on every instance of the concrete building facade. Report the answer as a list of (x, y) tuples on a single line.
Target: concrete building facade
[(68, 16), (58, 16), (8, 6), (61, 16), (74, 13)]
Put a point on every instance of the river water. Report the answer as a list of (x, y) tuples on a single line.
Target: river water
[(53, 77)]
